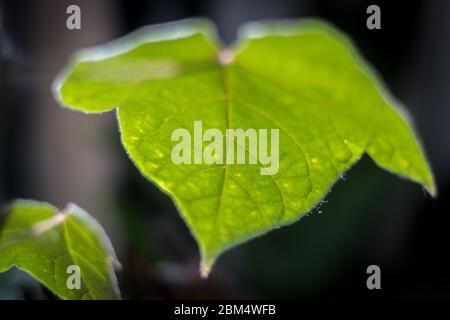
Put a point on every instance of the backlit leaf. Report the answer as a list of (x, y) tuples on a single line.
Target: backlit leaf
[(303, 78), (47, 243)]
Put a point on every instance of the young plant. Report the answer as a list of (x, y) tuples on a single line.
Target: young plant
[(301, 81)]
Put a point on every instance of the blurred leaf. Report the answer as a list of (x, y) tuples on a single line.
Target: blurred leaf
[(303, 78), (44, 242)]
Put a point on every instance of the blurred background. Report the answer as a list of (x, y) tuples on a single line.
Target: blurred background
[(51, 154)]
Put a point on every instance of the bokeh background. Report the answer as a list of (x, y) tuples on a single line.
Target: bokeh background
[(371, 217)]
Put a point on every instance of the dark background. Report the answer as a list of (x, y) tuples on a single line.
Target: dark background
[(51, 154)]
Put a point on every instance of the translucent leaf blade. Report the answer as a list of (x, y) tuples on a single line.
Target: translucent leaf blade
[(45, 243), (304, 79)]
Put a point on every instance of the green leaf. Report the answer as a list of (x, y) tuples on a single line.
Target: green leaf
[(303, 78), (45, 242)]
